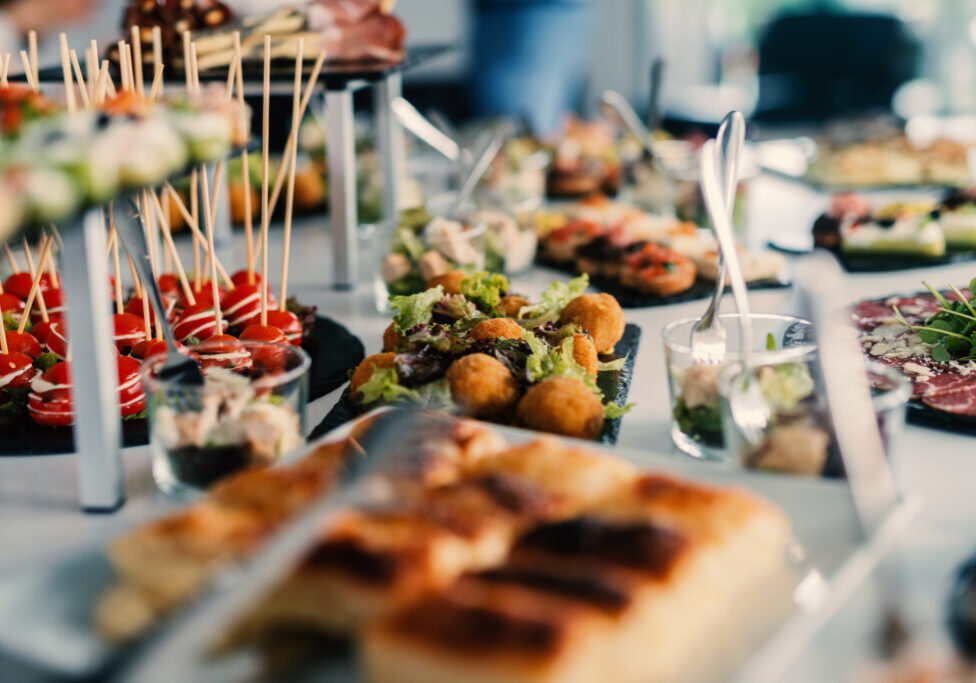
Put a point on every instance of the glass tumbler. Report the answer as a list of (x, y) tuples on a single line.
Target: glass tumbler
[(696, 417), (250, 410)]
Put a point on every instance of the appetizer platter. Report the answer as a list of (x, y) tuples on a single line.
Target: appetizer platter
[(468, 346), (550, 541), (898, 236), (927, 336), (642, 259), (208, 304)]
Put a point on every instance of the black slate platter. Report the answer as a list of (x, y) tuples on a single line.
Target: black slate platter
[(858, 263), (632, 298), (614, 385), (334, 351), (917, 413)]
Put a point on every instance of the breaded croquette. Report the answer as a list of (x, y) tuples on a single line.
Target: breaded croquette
[(450, 281), (600, 316), (496, 328), (482, 386), (562, 405), (510, 305), (391, 338), (363, 371), (584, 353)]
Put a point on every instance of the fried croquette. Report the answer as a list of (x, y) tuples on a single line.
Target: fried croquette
[(450, 281), (496, 328), (363, 371), (584, 353), (598, 314), (482, 386), (562, 405), (391, 338), (510, 306)]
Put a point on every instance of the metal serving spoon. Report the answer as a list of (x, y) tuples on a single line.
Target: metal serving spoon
[(420, 126), (616, 108), (177, 368), (488, 151), (749, 409), (708, 334)]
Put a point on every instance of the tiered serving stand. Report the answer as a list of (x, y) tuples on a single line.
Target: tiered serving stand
[(97, 428)]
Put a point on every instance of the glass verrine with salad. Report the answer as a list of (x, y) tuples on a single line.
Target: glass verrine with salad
[(696, 417), (249, 411)]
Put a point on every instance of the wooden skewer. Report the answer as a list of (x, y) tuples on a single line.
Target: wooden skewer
[(137, 287), (290, 193), (123, 71), (194, 69), (195, 214), (137, 60), (157, 84), (157, 43), (195, 229), (167, 216), (130, 76), (28, 257), (4, 349), (187, 63), (109, 82), (91, 67), (28, 72), (32, 48), (213, 261), (69, 87), (101, 84), (10, 258), (245, 168), (146, 322), (36, 285), (265, 216), (52, 270), (82, 85), (117, 270), (306, 98), (168, 238), (231, 75), (4, 68)]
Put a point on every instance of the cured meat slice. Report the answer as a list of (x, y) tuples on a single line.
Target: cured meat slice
[(945, 384), (958, 402), (869, 314)]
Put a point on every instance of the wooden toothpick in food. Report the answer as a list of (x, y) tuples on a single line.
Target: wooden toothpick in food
[(28, 72), (245, 168), (306, 97), (265, 217), (4, 349), (28, 257), (117, 271), (123, 71), (187, 62), (69, 88), (10, 258), (137, 59), (4, 68), (290, 192), (214, 287), (191, 224), (82, 85), (157, 85), (168, 239), (36, 284), (32, 47)]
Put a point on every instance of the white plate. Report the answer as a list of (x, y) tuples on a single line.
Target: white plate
[(46, 611)]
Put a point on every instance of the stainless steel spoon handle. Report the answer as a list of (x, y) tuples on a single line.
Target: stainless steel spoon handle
[(478, 168), (420, 126), (618, 109)]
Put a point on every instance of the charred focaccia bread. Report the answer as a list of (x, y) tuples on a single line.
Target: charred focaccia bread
[(626, 592)]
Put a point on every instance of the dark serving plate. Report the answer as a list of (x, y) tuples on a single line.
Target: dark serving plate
[(334, 351), (860, 263), (628, 297), (917, 413), (614, 385)]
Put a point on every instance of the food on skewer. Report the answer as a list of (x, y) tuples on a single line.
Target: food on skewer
[(49, 402)]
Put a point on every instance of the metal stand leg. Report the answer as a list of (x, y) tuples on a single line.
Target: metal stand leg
[(223, 232), (93, 367), (339, 135), (389, 142)]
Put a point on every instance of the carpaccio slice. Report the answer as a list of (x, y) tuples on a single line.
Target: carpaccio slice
[(959, 398)]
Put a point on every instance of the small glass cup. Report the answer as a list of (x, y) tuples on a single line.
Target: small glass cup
[(249, 411), (798, 438), (696, 418)]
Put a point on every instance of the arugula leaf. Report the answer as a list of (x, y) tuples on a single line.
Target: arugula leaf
[(414, 309), (141, 415), (383, 386), (554, 299), (484, 287), (940, 354), (933, 332)]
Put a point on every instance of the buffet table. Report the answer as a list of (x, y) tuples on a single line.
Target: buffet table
[(39, 517)]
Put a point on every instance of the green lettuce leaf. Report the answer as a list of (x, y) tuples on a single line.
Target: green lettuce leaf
[(612, 411), (485, 288), (46, 361), (554, 299), (384, 387), (414, 309)]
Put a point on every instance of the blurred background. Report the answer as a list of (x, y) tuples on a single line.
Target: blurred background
[(776, 60)]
